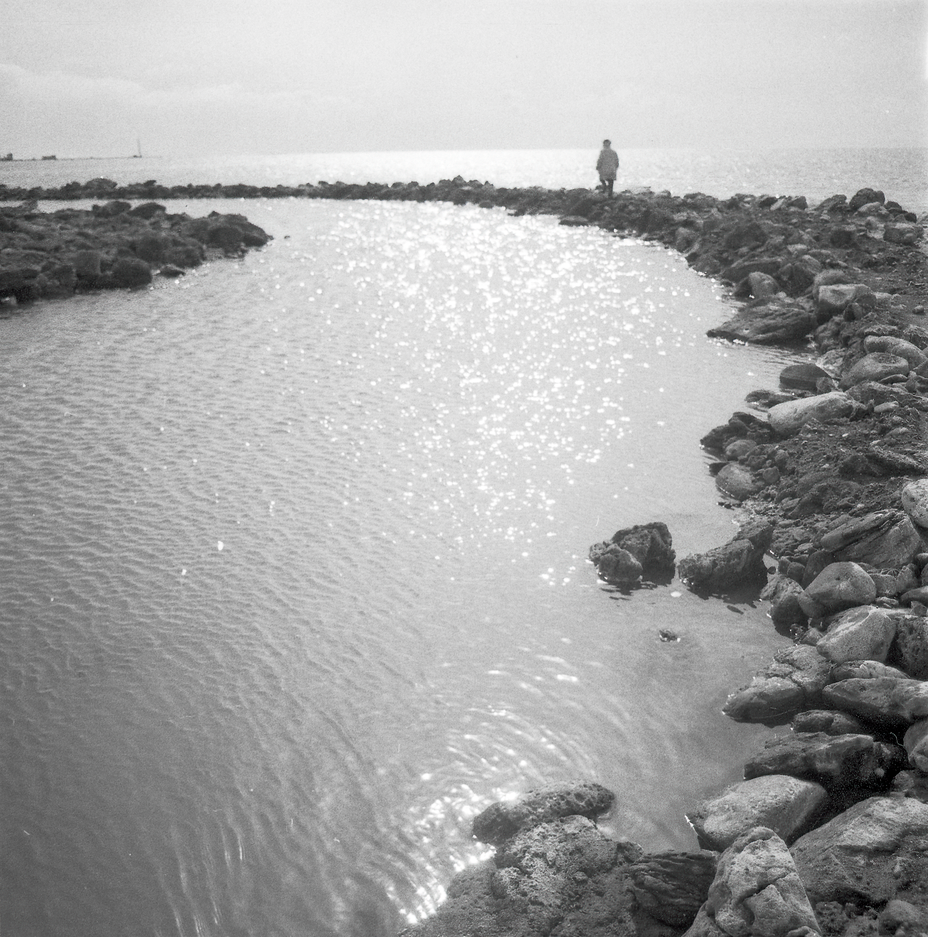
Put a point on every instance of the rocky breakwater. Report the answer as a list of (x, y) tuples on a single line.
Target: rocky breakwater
[(828, 832), (110, 246)]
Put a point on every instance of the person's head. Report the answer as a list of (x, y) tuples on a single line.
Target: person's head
[(607, 143)]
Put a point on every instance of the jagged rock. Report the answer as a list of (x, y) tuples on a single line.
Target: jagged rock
[(775, 322), (876, 366), (787, 805), (827, 721), (862, 633), (503, 819), (793, 682), (915, 742), (838, 586), (649, 545), (840, 763), (737, 562), (874, 852), (756, 892), (786, 419), (672, 886), (883, 539), (891, 702)]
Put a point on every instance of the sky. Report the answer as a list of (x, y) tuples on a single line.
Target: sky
[(224, 77)]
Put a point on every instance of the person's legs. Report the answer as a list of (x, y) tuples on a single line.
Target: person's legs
[(609, 185)]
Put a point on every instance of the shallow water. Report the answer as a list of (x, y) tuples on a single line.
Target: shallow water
[(295, 577)]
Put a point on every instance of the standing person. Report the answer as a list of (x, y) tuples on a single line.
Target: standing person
[(607, 166)]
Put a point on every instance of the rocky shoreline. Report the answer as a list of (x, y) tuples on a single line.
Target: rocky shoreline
[(828, 833)]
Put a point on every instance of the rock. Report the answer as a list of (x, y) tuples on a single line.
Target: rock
[(912, 784), (863, 670), (883, 539), (902, 233), (827, 721), (148, 210), (803, 376), (793, 682), (503, 819), (874, 367), (902, 918), (775, 322), (130, 272), (738, 482), (891, 702), (737, 562), (786, 419), (784, 804), (915, 501), (838, 586), (649, 544), (842, 764), (834, 298), (756, 892), (783, 593), (672, 886), (909, 650), (87, 264), (865, 196), (872, 853), (750, 234), (915, 742), (862, 633), (893, 345), (761, 284), (616, 565)]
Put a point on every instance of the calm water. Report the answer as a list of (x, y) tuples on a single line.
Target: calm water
[(294, 576)]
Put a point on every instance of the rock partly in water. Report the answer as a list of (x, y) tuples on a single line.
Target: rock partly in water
[(645, 550), (737, 563), (672, 886)]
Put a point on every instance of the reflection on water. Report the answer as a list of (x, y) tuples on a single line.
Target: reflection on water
[(295, 574)]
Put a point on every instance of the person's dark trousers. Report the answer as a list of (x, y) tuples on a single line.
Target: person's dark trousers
[(607, 186)]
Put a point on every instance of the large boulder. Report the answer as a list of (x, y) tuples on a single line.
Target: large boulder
[(882, 539), (873, 852), (842, 764), (834, 298), (756, 892), (786, 419), (792, 682), (775, 322), (862, 633), (504, 819), (736, 563), (738, 481), (890, 702), (787, 805), (837, 587), (672, 886)]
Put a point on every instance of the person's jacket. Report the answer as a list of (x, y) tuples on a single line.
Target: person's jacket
[(608, 163)]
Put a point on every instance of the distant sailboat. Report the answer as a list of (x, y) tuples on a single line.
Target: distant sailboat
[(138, 147)]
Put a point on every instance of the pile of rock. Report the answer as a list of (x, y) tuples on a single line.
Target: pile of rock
[(111, 246)]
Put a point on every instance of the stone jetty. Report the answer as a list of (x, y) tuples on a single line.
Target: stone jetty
[(828, 832)]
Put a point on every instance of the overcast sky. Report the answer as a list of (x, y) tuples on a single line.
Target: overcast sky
[(192, 77)]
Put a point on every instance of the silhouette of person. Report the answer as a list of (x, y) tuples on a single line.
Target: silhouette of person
[(607, 166)]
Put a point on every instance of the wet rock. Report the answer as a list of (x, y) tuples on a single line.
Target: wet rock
[(802, 376), (130, 272), (783, 593), (837, 587), (874, 367), (862, 633), (672, 886), (786, 419), (504, 819), (760, 285), (792, 682), (787, 805), (774, 322), (737, 562), (840, 763), (650, 546), (891, 702), (738, 482), (756, 892), (874, 852)]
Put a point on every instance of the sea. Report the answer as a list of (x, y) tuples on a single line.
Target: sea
[(293, 549)]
